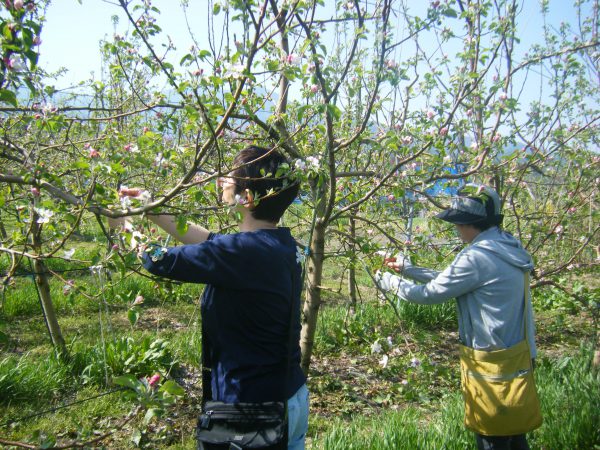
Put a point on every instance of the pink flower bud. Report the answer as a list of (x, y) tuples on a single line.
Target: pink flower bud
[(37, 40), (496, 137), (469, 112), (145, 130), (94, 153), (35, 191), (314, 88), (154, 379), (138, 300), (391, 197), (18, 4), (115, 247), (430, 114), (503, 96), (443, 131)]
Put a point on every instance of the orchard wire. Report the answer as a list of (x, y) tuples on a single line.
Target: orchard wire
[(58, 408)]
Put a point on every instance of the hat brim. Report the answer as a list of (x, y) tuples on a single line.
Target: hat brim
[(458, 217)]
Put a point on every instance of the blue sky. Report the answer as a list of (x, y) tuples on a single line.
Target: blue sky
[(72, 32)]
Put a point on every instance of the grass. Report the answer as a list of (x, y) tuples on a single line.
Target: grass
[(356, 403), (569, 389)]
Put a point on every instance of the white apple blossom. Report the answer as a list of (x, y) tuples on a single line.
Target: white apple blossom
[(96, 270), (145, 197), (376, 347), (293, 59), (44, 215), (384, 361), (234, 71), (125, 202), (313, 162), (68, 254), (16, 63), (300, 165)]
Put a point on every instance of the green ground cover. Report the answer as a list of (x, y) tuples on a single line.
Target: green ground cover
[(358, 400)]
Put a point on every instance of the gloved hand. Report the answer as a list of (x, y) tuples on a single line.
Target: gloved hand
[(387, 281)]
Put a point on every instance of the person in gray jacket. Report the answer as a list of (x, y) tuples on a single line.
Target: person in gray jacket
[(486, 279)]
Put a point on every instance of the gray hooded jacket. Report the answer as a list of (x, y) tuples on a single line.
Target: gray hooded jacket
[(487, 280)]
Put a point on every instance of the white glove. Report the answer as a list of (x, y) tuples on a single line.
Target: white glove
[(387, 281)]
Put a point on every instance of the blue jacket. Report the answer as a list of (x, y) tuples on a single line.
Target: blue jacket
[(487, 280), (251, 280)]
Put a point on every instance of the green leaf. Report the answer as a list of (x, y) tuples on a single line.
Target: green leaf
[(7, 96), (3, 338), (133, 315), (172, 388), (187, 58), (150, 414), (334, 111), (47, 441), (136, 436), (272, 65), (128, 381), (216, 9), (204, 54), (182, 225), (449, 12)]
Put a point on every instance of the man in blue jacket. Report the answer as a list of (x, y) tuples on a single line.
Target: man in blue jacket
[(486, 278), (252, 280)]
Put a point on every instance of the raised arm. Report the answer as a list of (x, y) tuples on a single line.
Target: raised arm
[(402, 264), (195, 234)]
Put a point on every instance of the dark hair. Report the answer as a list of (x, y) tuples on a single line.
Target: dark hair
[(492, 220), (265, 173)]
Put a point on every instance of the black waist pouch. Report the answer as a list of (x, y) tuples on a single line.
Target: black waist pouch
[(242, 425)]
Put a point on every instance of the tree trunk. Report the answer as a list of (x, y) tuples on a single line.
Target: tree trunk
[(314, 276), (352, 269), (3, 233), (43, 287)]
